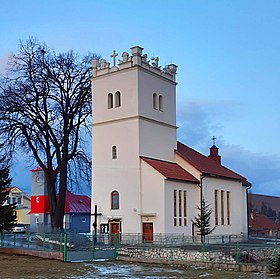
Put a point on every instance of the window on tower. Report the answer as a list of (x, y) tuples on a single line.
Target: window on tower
[(117, 99), (115, 200), (160, 102), (110, 100), (155, 101), (114, 152)]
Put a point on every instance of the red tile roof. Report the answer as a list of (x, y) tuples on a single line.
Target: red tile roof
[(262, 222), (36, 169), (170, 170), (77, 203), (204, 164), (8, 189)]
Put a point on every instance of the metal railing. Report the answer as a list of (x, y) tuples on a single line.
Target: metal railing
[(229, 249)]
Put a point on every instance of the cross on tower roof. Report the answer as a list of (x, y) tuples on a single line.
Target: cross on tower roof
[(114, 55), (213, 139)]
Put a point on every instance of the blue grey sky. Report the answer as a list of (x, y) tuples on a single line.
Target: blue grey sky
[(228, 60)]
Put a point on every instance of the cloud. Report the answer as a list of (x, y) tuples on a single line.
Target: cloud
[(262, 170), (4, 62), (198, 122)]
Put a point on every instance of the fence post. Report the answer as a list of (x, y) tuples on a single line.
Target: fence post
[(65, 248), (115, 246), (144, 247), (172, 251), (203, 250), (93, 246), (238, 254)]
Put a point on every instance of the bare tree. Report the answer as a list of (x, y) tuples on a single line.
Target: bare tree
[(45, 112)]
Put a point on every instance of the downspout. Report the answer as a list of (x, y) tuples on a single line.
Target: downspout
[(247, 200)]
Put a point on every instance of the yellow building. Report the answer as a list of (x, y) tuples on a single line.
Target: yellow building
[(22, 204)]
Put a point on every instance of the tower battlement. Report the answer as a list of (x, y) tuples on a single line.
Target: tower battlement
[(137, 58)]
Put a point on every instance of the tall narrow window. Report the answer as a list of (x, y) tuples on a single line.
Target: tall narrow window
[(228, 207), (114, 152), (117, 99), (115, 202), (185, 208), (222, 208), (216, 208), (155, 101), (110, 100), (160, 102), (175, 207), (180, 207)]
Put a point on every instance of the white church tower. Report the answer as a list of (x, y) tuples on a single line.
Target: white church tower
[(134, 115)]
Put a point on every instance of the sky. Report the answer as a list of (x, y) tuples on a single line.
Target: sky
[(228, 60)]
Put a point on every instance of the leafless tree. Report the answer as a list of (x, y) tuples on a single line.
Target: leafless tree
[(45, 112)]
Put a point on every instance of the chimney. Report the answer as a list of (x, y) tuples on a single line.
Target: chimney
[(214, 152)]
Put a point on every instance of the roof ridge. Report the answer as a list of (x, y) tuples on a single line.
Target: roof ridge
[(155, 159), (202, 163)]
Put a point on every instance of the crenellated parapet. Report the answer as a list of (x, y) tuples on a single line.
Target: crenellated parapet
[(136, 58)]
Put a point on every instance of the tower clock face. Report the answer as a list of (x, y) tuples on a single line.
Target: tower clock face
[(37, 200)]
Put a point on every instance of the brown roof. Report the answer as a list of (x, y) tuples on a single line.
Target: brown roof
[(262, 222), (204, 164), (170, 170)]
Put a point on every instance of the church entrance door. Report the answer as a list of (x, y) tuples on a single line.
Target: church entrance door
[(148, 232), (115, 231)]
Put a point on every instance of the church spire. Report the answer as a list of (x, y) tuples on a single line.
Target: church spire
[(214, 152)]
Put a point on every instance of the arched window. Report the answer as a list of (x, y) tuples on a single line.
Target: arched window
[(114, 152), (155, 101), (160, 102), (117, 99), (110, 100), (115, 200)]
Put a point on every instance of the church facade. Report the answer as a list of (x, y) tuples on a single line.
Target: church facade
[(143, 180)]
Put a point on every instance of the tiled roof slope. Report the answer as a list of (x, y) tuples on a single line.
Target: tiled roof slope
[(261, 222), (204, 164), (170, 170), (77, 203)]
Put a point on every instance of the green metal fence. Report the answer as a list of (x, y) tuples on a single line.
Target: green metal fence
[(229, 249)]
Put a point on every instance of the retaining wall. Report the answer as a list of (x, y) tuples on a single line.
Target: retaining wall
[(40, 254), (211, 260)]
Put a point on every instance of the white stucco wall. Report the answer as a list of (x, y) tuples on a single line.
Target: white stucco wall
[(136, 129), (192, 202), (209, 185), (156, 140), (150, 83), (121, 174)]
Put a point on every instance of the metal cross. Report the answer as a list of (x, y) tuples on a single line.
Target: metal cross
[(114, 55), (95, 214), (213, 139)]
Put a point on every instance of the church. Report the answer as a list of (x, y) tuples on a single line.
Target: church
[(143, 180)]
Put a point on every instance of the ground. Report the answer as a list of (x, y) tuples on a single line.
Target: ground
[(16, 266), (26, 267)]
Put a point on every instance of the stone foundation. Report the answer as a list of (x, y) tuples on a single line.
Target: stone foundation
[(211, 260)]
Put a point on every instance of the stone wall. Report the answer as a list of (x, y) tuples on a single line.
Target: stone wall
[(240, 260)]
